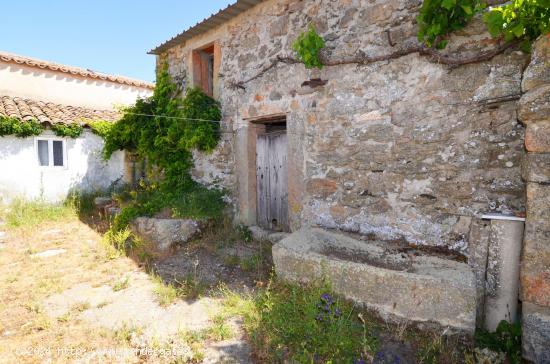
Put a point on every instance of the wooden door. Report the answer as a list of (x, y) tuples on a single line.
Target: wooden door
[(271, 181)]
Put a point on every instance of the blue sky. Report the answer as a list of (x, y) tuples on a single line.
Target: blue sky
[(111, 36)]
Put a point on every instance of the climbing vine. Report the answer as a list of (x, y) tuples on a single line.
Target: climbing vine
[(101, 127), (67, 130), (520, 20), (163, 130), (21, 129), (307, 47), (24, 129)]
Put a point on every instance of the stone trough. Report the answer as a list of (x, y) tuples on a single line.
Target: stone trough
[(418, 288)]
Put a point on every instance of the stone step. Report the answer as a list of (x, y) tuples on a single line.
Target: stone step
[(416, 288)]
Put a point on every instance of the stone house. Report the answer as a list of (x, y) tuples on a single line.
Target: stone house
[(47, 166), (397, 146)]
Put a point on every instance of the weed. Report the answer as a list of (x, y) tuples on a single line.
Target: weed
[(124, 334), (118, 239), (430, 352), (244, 233), (220, 330), (506, 339), (288, 322), (231, 260), (49, 285), (194, 339), (251, 263), (80, 307), (33, 307), (166, 293), (121, 284)]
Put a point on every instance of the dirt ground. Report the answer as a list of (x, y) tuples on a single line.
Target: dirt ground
[(66, 297)]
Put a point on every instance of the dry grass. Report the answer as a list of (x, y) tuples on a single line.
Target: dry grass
[(25, 281)]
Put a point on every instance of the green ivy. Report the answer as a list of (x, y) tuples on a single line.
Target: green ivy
[(506, 339), (21, 129), (163, 130), (67, 130), (520, 19), (307, 47), (438, 18), (101, 127)]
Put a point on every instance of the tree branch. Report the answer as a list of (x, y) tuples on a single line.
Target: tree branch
[(362, 59)]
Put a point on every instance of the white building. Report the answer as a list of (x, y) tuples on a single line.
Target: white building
[(47, 166)]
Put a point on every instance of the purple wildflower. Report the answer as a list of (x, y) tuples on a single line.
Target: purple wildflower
[(325, 297)]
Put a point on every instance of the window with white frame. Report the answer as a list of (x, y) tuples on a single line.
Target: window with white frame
[(51, 152)]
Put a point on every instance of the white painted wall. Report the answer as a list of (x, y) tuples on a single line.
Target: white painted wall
[(64, 88), (22, 176)]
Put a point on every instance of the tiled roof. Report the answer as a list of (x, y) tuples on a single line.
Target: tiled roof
[(48, 112), (205, 25), (33, 62)]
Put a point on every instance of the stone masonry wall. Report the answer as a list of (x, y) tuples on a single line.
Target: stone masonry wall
[(534, 112), (397, 149)]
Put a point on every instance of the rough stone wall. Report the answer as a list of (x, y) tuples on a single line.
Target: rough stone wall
[(403, 148), (534, 112)]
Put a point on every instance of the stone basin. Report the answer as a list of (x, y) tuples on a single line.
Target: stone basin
[(418, 288)]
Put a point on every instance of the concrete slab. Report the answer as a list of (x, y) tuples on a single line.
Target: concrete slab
[(416, 288), (49, 253)]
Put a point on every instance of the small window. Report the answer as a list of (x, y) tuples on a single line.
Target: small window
[(51, 152), (203, 69)]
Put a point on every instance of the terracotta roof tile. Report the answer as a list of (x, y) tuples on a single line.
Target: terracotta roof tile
[(32, 62), (48, 112)]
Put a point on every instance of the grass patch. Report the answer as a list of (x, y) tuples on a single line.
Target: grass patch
[(290, 323), (30, 213), (166, 293), (195, 341), (252, 263), (220, 330)]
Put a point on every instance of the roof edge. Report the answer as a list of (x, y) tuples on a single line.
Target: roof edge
[(213, 21), (57, 67)]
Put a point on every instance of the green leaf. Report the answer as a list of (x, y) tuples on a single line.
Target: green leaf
[(467, 9), (448, 4), (442, 44)]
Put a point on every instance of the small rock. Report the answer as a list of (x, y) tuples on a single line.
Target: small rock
[(277, 237), (113, 211), (165, 233), (102, 201), (49, 253), (487, 356), (258, 233), (2, 234)]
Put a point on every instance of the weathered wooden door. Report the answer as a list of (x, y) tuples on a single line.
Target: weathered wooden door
[(271, 180)]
